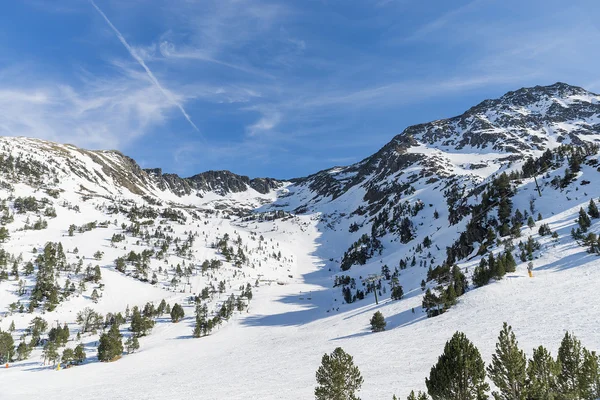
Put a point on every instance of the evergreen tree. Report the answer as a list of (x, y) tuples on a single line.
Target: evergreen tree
[(459, 373), (481, 274), (161, 308), (397, 292), (509, 262), (593, 209), (570, 357), (590, 375), (4, 235), (432, 304), (177, 313), (50, 353), (542, 375), (418, 396), (7, 347), (111, 345), (132, 344), (67, 356), (79, 354), (508, 368), (337, 377), (23, 351), (378, 322), (95, 296), (583, 220), (140, 325), (499, 270)]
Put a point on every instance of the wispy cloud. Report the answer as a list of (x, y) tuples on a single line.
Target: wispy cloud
[(151, 76), (275, 78), (100, 112), (168, 50), (443, 20)]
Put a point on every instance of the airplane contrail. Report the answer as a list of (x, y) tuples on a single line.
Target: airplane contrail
[(143, 64)]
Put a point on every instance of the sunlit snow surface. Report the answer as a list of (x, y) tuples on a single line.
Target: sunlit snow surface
[(273, 350)]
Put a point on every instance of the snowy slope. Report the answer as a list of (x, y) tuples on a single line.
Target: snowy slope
[(295, 237)]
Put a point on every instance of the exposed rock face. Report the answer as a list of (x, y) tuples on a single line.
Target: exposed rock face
[(220, 182), (526, 119), (519, 124)]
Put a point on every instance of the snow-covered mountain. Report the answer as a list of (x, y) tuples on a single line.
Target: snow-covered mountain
[(282, 266)]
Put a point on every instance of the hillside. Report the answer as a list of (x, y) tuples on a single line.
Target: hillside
[(453, 211)]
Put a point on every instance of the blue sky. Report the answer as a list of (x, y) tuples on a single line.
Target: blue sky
[(273, 88)]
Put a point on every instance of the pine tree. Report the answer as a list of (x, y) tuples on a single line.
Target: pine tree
[(508, 368), (161, 308), (481, 274), (67, 356), (4, 235), (140, 325), (397, 293), (7, 347), (509, 262), (50, 353), (583, 220), (177, 313), (459, 373), (570, 357), (413, 396), (378, 322), (590, 375), (95, 296), (499, 270), (337, 377), (111, 345), (432, 304), (593, 209), (79, 354), (23, 351), (542, 375), (132, 344)]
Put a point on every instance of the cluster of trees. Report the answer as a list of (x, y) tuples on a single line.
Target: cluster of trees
[(25, 204), (484, 228), (57, 337), (584, 220), (204, 324), (38, 225), (461, 374), (528, 248), (493, 268), (49, 263), (238, 258), (360, 251), (88, 226), (452, 283)]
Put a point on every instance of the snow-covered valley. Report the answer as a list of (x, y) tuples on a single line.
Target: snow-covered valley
[(283, 267)]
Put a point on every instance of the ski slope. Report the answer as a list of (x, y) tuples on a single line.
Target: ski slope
[(272, 351)]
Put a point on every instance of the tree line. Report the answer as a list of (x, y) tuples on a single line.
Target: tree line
[(461, 374)]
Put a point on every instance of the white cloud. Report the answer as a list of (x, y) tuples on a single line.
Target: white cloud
[(265, 124)]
